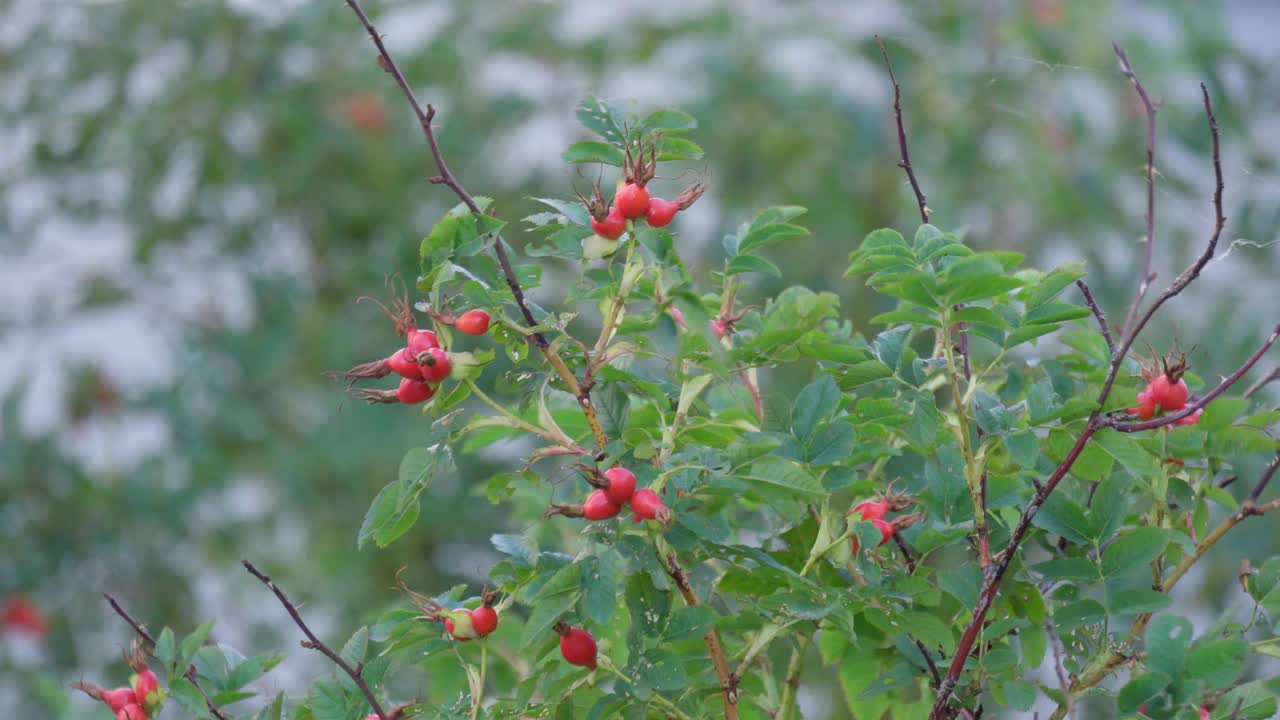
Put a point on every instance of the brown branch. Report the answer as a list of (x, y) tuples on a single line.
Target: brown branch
[(1198, 405), (314, 643), (905, 163), (728, 681), (189, 673), (1147, 275), (1103, 327), (447, 178)]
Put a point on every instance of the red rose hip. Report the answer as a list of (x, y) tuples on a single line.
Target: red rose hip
[(412, 392), (146, 684), (871, 510), (660, 212), (622, 485), (599, 507), (421, 341), (577, 646), (646, 505), (632, 200), (612, 226), (131, 712), (484, 619), (435, 365), (473, 322), (402, 363), (118, 698)]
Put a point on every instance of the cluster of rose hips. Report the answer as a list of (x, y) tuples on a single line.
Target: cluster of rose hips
[(143, 698), (421, 363), (875, 512), (615, 487), (632, 200), (1166, 390)]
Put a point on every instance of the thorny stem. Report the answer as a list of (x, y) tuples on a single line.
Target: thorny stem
[(447, 178), (314, 643), (1147, 276), (189, 673), (971, 464), (1103, 327), (905, 163), (728, 682)]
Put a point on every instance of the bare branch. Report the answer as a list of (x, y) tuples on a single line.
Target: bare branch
[(1147, 275), (905, 163), (1263, 382), (314, 643), (1097, 313), (1056, 643), (189, 674)]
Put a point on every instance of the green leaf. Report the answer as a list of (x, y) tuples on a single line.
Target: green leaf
[(741, 264), (689, 622), (1217, 663), (661, 670), (677, 148), (815, 404), (649, 605), (1042, 402), (593, 151), (668, 121), (603, 118), (1081, 612), (1070, 568), (860, 374), (556, 598), (773, 471), (328, 701), (601, 576), (188, 697), (1133, 550), (1141, 689), (1167, 639), (520, 548), (1054, 283), (165, 648), (253, 668), (1053, 313), (1129, 452), (1063, 517), (390, 516), (192, 643), (767, 235), (991, 415), (832, 444), (980, 316), (356, 647), (1134, 602)]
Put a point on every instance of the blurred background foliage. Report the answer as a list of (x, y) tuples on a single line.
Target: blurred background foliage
[(194, 194)]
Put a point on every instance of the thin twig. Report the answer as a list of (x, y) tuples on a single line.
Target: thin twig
[(1056, 643), (728, 681), (189, 674), (1147, 275), (905, 163), (446, 177), (314, 643), (1103, 327), (1263, 382)]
